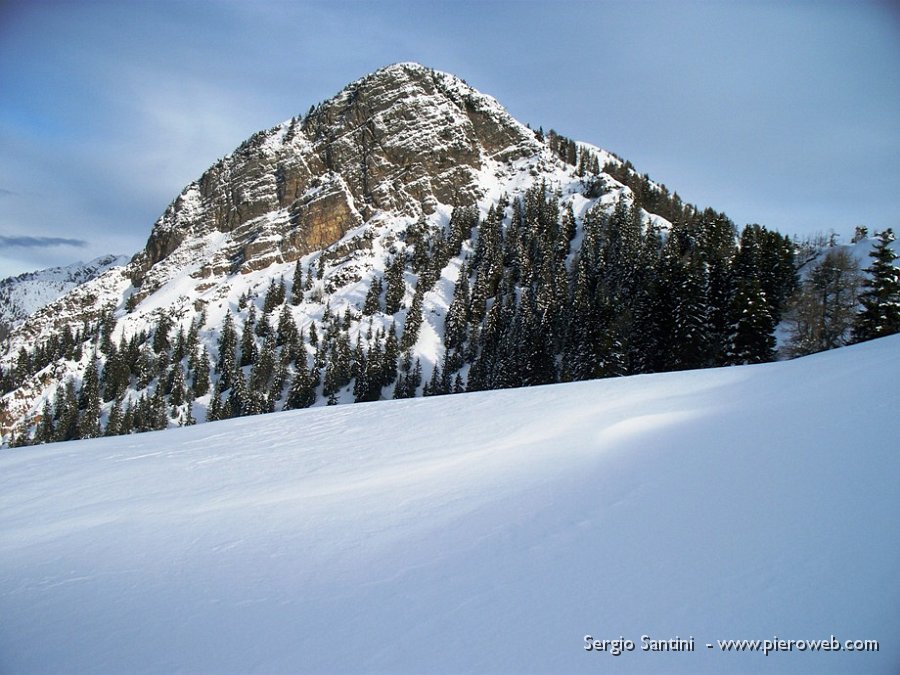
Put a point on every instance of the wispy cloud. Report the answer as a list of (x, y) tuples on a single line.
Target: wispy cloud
[(7, 193), (41, 242)]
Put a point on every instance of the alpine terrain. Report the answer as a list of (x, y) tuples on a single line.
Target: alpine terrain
[(409, 239), (24, 294), (406, 237)]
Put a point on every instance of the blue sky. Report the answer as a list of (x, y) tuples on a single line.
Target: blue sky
[(785, 114)]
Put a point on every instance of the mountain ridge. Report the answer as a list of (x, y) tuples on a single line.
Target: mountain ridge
[(24, 294)]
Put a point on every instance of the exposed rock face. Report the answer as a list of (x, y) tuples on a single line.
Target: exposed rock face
[(401, 139)]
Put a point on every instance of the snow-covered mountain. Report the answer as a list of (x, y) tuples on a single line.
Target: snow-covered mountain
[(23, 295), (407, 237), (485, 532), (336, 190)]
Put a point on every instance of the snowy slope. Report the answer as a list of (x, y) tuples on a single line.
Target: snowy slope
[(23, 295), (482, 532)]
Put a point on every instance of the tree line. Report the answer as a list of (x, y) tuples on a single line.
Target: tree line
[(538, 298)]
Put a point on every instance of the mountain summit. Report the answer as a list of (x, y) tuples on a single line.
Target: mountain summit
[(403, 140), (406, 237)]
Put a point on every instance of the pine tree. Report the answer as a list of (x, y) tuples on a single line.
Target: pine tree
[(302, 393), (214, 410), (362, 386), (880, 314), (23, 367), (264, 368), (372, 302), (88, 425), (767, 257), (347, 320), (248, 342), (458, 385), (163, 361), (180, 348), (189, 419), (140, 415), (177, 390), (434, 387), (107, 327), (415, 379), (389, 359), (200, 385), (194, 332), (236, 405), (115, 375), (157, 417), (413, 322), (145, 367), (402, 386), (114, 422), (286, 333), (161, 334), (538, 359), (227, 361), (753, 332), (274, 295), (297, 284), (45, 432), (127, 424), (394, 284), (276, 385), (692, 334), (67, 406), (457, 318), (338, 368)]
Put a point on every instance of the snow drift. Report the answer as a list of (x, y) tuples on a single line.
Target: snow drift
[(474, 533)]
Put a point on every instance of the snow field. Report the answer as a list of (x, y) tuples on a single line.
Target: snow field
[(484, 532)]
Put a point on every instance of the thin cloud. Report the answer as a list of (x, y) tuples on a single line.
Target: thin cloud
[(7, 193), (41, 242)]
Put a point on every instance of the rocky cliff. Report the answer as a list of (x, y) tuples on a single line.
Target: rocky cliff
[(402, 139)]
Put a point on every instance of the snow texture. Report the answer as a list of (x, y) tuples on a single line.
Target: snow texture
[(23, 295), (486, 532)]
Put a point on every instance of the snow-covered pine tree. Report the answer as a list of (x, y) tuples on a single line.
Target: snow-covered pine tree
[(297, 287), (880, 314), (227, 360), (753, 332), (302, 393)]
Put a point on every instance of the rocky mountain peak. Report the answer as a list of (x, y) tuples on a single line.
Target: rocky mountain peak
[(406, 137), (402, 139), (419, 121)]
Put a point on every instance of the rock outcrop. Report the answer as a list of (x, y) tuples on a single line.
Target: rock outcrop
[(402, 139)]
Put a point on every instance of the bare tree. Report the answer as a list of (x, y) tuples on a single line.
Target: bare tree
[(823, 309)]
